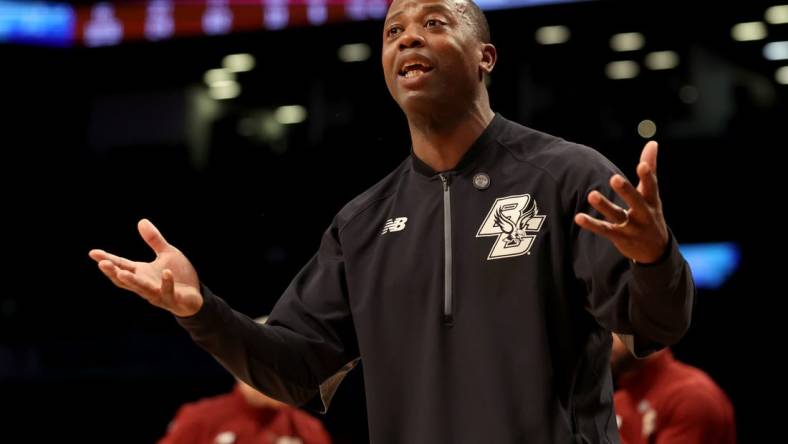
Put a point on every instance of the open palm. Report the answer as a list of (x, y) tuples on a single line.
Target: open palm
[(169, 281)]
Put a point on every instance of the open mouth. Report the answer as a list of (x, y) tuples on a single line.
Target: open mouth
[(413, 70)]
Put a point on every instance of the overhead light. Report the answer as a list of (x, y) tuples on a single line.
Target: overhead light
[(777, 15), (102, 29), (288, 115), (622, 69), (354, 52), (748, 31), (647, 128), (223, 90), (776, 50), (217, 75), (552, 35), (238, 62), (662, 60), (316, 12), (275, 14), (627, 41), (782, 75)]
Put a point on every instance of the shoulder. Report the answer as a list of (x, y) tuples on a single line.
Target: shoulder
[(697, 398), (373, 196), (574, 169), (204, 408), (304, 419), (308, 426), (554, 155), (194, 418)]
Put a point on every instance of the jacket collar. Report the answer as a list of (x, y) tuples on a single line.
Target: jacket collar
[(488, 135)]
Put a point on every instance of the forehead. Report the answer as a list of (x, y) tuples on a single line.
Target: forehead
[(400, 6)]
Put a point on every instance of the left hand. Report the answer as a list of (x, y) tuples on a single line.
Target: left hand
[(640, 232)]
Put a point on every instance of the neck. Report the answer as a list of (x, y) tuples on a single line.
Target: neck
[(634, 368), (441, 140)]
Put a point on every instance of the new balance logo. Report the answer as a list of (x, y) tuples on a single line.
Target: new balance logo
[(396, 224), (512, 220)]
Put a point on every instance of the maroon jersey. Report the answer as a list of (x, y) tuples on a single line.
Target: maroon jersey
[(229, 419), (667, 401)]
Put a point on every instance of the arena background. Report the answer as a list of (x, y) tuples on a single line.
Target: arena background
[(97, 134)]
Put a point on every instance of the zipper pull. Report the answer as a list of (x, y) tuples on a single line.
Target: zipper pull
[(445, 180)]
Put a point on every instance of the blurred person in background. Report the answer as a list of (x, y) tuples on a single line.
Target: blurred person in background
[(479, 281), (243, 416), (660, 400)]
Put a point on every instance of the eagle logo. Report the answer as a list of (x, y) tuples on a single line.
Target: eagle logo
[(515, 231), (513, 220)]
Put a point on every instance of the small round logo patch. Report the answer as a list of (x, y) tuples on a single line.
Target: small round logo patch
[(481, 181)]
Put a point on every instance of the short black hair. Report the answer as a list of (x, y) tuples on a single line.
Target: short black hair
[(478, 21)]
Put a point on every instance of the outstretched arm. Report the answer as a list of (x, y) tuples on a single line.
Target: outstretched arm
[(649, 301), (169, 281), (294, 359)]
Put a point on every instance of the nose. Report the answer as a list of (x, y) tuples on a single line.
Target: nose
[(411, 39)]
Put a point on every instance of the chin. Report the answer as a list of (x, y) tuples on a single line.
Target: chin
[(418, 102)]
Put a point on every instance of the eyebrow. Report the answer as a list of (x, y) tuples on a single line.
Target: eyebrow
[(432, 7)]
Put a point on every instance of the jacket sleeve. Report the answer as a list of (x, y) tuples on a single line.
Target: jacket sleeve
[(308, 343), (649, 305)]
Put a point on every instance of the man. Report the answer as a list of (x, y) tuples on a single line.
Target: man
[(661, 400), (472, 281)]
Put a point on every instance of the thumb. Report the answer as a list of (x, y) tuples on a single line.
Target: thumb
[(151, 235)]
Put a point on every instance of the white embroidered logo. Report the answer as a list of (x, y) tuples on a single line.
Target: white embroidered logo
[(511, 218), (649, 418), (395, 224)]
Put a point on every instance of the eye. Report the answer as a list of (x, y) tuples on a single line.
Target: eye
[(393, 31), (431, 23)]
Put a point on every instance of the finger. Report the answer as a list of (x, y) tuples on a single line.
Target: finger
[(611, 211), (649, 155), (631, 196), (123, 263), (167, 287), (600, 227), (97, 255), (648, 186), (152, 236), (111, 272), (143, 287)]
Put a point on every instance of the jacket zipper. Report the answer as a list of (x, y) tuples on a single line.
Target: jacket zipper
[(447, 256)]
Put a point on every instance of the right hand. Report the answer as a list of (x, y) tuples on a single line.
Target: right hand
[(169, 281)]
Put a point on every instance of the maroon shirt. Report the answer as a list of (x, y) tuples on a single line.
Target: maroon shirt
[(229, 419), (667, 401)]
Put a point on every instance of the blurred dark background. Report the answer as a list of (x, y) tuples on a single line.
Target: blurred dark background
[(95, 138)]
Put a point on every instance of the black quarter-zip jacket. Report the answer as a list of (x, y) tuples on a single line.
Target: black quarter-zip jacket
[(481, 311)]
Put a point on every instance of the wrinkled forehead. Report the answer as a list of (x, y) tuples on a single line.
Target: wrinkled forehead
[(399, 6)]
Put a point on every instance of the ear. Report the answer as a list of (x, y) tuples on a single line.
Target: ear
[(489, 57)]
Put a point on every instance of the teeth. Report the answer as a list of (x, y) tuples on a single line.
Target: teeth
[(409, 67), (413, 73)]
